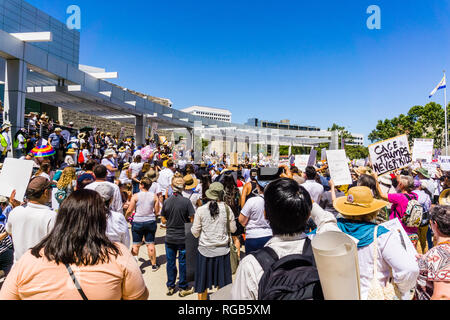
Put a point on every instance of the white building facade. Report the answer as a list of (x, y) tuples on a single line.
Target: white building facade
[(218, 114)]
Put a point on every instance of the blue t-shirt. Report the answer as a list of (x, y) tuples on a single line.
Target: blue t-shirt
[(56, 140)]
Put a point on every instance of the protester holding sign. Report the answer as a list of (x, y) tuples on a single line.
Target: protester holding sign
[(390, 154)]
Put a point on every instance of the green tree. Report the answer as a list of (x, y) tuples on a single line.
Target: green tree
[(421, 122), (356, 152)]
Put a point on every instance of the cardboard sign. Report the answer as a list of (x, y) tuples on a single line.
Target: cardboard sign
[(301, 161), (445, 163), (15, 175), (431, 168), (423, 150), (391, 154), (338, 165), (312, 158)]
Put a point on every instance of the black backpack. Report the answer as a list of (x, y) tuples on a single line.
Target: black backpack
[(294, 277)]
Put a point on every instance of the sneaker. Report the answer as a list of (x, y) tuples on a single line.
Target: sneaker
[(184, 293), (170, 291), (155, 268)]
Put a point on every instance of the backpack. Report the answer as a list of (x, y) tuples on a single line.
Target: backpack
[(294, 277), (413, 214)]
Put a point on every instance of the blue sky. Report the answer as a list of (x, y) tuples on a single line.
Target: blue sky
[(313, 62)]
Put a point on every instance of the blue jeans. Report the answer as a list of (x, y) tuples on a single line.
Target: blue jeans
[(252, 245), (171, 256)]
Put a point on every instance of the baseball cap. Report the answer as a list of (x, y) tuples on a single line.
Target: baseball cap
[(37, 185)]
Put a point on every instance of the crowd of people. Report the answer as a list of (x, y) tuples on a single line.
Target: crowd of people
[(91, 206)]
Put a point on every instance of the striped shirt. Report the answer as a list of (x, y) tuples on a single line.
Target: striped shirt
[(6, 243)]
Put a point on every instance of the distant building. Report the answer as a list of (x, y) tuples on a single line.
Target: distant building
[(210, 113), (357, 140), (282, 125)]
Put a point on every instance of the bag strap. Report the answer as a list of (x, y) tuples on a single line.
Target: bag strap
[(75, 281), (228, 223), (375, 252), (266, 257)]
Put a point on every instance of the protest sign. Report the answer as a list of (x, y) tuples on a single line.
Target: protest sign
[(338, 165), (360, 163), (396, 226), (301, 161), (15, 175), (234, 158), (423, 150), (391, 154), (445, 163), (431, 168), (324, 154), (312, 158)]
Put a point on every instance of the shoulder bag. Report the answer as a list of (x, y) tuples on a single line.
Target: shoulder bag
[(75, 281), (377, 291), (234, 259)]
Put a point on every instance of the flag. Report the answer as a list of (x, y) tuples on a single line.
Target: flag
[(441, 85)]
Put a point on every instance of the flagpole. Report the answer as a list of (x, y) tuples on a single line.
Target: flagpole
[(445, 108)]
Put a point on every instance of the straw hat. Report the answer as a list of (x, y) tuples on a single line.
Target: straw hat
[(122, 149), (58, 130), (6, 125), (126, 165), (361, 170), (82, 136), (71, 151), (109, 152), (215, 191), (444, 198), (152, 174), (190, 182), (178, 184), (359, 202)]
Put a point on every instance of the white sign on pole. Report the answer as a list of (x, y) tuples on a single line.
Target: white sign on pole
[(423, 150), (391, 154), (338, 165), (301, 161), (15, 175), (445, 163)]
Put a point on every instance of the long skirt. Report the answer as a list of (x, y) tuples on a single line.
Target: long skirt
[(212, 272)]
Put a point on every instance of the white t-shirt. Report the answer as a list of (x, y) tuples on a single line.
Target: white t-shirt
[(155, 188), (117, 228), (165, 179), (315, 189), (116, 203), (192, 195), (28, 226), (123, 178), (258, 226), (110, 162), (135, 168), (86, 155), (21, 139)]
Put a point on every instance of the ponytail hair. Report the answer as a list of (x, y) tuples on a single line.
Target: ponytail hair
[(214, 206)]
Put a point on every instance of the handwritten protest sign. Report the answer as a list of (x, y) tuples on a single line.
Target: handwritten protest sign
[(423, 150), (391, 154), (312, 158), (338, 165), (301, 161), (431, 168), (15, 175), (445, 163)]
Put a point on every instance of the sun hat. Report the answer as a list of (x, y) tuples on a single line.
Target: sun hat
[(215, 191), (178, 184), (361, 170), (126, 165), (385, 179), (82, 136), (3, 199), (359, 202), (423, 172), (71, 151), (152, 174), (122, 149), (190, 182), (6, 125), (444, 198), (58, 130), (109, 152)]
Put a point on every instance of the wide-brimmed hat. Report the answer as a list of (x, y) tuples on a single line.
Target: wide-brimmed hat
[(152, 174), (58, 130), (71, 152), (126, 165), (122, 149), (178, 184), (190, 182), (6, 125), (359, 202), (423, 172), (444, 198), (215, 191), (82, 136), (109, 152), (361, 170)]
